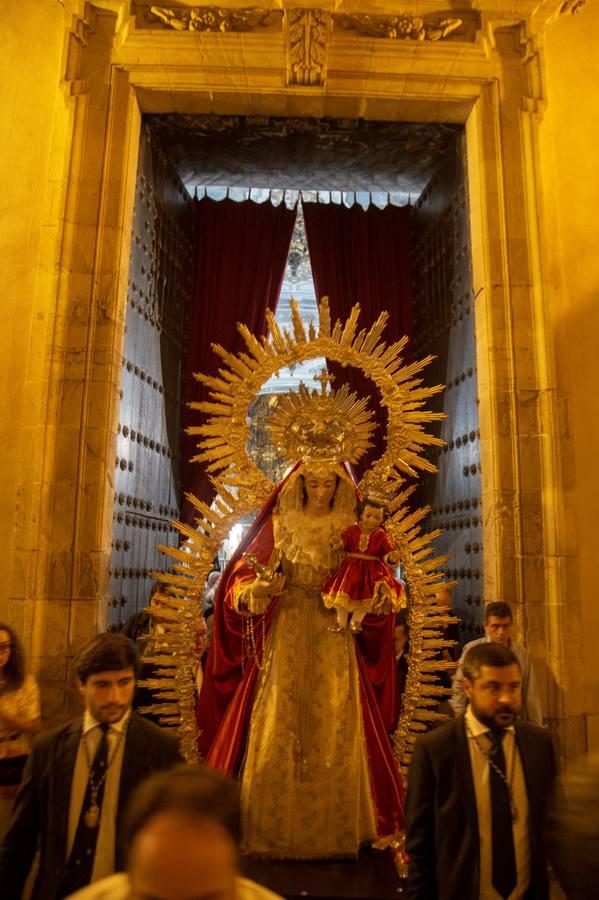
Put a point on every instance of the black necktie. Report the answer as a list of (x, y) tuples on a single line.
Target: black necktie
[(81, 861), (504, 875)]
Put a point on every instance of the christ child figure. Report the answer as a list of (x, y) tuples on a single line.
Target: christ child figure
[(364, 582)]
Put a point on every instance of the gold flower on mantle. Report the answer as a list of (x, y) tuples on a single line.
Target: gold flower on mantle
[(211, 18)]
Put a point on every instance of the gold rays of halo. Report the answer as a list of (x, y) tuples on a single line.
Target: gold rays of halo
[(224, 437), (241, 487)]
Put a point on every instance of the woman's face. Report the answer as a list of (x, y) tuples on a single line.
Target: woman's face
[(4, 648), (320, 490)]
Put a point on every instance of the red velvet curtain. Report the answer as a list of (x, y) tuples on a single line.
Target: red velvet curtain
[(362, 256), (241, 252)]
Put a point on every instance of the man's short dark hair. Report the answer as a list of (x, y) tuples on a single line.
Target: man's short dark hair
[(106, 653), (498, 608), (487, 654), (192, 790)]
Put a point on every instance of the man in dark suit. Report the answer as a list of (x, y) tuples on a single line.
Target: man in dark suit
[(477, 790), (79, 777)]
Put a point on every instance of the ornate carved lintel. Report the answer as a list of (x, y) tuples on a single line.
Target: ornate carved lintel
[(211, 18), (400, 28), (307, 32)]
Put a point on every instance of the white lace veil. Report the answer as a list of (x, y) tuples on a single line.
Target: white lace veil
[(292, 496)]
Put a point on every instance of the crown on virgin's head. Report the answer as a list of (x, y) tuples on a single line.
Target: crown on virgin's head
[(322, 428)]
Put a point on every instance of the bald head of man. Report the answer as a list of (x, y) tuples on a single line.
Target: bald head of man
[(179, 855)]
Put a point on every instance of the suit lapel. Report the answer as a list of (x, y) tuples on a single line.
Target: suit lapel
[(65, 759), (527, 755), (530, 767), (134, 760), (64, 767), (464, 771)]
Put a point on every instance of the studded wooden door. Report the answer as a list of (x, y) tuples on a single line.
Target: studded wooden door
[(147, 463), (444, 326)]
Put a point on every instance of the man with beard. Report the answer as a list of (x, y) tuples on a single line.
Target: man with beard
[(78, 779), (477, 790)]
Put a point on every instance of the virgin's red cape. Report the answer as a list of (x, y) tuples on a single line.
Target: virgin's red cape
[(225, 703)]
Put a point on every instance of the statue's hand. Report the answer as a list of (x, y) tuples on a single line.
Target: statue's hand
[(264, 588), (393, 558)]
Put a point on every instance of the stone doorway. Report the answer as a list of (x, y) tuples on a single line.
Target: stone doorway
[(120, 69), (421, 164)]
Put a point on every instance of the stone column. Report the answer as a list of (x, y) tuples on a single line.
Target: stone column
[(525, 548), (58, 580)]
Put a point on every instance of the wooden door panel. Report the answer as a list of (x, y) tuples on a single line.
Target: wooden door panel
[(147, 462), (444, 326)]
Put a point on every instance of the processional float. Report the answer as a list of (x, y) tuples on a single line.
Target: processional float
[(300, 420)]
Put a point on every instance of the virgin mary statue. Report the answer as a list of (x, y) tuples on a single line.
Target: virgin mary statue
[(298, 711)]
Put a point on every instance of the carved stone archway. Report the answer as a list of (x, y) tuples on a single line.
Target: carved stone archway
[(480, 68)]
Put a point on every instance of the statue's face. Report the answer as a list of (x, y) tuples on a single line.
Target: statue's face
[(372, 518), (320, 490)]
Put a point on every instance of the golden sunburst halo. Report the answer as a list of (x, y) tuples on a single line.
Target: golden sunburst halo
[(224, 436)]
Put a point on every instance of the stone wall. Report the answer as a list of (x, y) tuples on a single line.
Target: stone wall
[(36, 119), (569, 137), (70, 149)]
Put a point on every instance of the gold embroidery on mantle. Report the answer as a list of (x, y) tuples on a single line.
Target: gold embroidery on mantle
[(320, 752), (310, 541), (211, 18)]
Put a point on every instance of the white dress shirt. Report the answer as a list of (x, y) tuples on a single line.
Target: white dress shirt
[(118, 887), (482, 789), (91, 733)]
